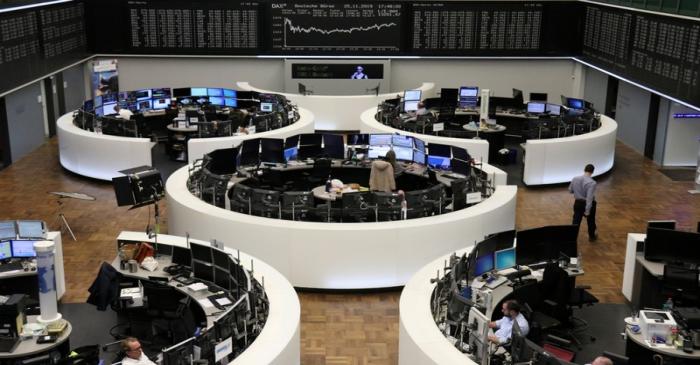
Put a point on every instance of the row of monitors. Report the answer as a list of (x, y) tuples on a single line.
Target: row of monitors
[(468, 97), (671, 245), (31, 229), (16, 249)]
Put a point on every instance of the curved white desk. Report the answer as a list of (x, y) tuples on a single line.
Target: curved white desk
[(99, 156), (420, 339), (340, 255), (279, 342), (198, 147), (558, 160), (477, 148), (337, 112)]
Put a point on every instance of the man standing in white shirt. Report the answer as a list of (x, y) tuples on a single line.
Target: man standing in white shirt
[(123, 113), (134, 355)]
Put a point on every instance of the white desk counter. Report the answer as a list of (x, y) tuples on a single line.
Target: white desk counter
[(477, 148), (198, 147), (279, 342), (99, 156), (558, 160), (338, 112), (340, 255)]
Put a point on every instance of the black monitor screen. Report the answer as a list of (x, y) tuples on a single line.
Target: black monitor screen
[(311, 151), (460, 153), (310, 139), (496, 242), (201, 252), (203, 271), (182, 256), (358, 139), (449, 94), (538, 97), (222, 278), (670, 224), (220, 258), (460, 167), (546, 243), (442, 150), (181, 92), (180, 354), (669, 245), (166, 250), (249, 153), (333, 146), (292, 141), (272, 150)]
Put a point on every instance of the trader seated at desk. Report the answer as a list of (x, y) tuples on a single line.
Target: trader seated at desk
[(134, 355), (504, 326), (123, 113), (391, 158), (413, 115), (381, 176)]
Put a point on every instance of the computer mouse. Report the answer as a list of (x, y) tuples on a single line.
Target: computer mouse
[(33, 268), (26, 269)]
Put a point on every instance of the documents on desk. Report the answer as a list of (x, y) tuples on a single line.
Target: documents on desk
[(196, 287)]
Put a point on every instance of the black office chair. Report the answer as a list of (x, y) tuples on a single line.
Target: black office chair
[(296, 205), (320, 172), (166, 306), (241, 198), (266, 203), (416, 204), (388, 206), (530, 297), (358, 207), (436, 199), (459, 194), (681, 284)]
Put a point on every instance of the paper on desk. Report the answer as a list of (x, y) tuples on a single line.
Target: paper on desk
[(205, 303), (197, 287), (223, 301), (573, 261)]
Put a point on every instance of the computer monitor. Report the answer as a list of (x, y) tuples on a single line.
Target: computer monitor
[(449, 95), (23, 248), (358, 139), (272, 150), (505, 259), (404, 153), (266, 107), (292, 141), (222, 278), (99, 111), (419, 157), (538, 97), (412, 95), (460, 153), (309, 151), (410, 105), (669, 245), (377, 151), (229, 93), (333, 146), (144, 94), (250, 152), (420, 145), (442, 150), (216, 100), (546, 243), (220, 258), (201, 252), (179, 354), (31, 229), (215, 92), (468, 96), (553, 109), (144, 105), (535, 108), (380, 139), (88, 105), (182, 256), (306, 139), (398, 140), (291, 153), (460, 167), (203, 271), (181, 92), (5, 250), (8, 230), (161, 103), (198, 91), (667, 224), (575, 103), (108, 108), (439, 162), (231, 102), (161, 92), (517, 98)]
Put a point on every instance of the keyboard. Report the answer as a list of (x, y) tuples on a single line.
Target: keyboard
[(11, 266), (8, 344), (496, 282), (538, 266)]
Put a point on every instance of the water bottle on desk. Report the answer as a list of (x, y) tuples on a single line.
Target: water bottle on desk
[(328, 184)]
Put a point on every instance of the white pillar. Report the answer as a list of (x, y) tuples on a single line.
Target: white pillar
[(46, 275)]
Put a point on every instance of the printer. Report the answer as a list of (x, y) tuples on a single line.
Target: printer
[(656, 324), (12, 316)]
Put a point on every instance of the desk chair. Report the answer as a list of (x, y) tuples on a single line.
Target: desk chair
[(530, 296), (681, 284), (241, 199), (296, 205), (436, 199), (416, 204), (459, 194), (266, 203), (320, 172), (358, 207), (388, 206), (166, 305)]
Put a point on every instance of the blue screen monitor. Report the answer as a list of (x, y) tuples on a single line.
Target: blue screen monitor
[(88, 105), (535, 108), (231, 102), (216, 100), (198, 91), (554, 109), (265, 107), (420, 145), (410, 105), (144, 105), (5, 250), (99, 111), (97, 101), (377, 151), (23, 249), (163, 92), (419, 157), (161, 103), (505, 259), (109, 108), (110, 98), (401, 141), (484, 264), (411, 95), (575, 103), (380, 139), (404, 153), (468, 92), (228, 93), (291, 153), (215, 92), (8, 230), (144, 94), (439, 162)]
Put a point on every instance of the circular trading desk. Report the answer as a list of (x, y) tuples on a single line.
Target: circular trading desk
[(102, 156), (477, 148), (342, 255), (334, 112)]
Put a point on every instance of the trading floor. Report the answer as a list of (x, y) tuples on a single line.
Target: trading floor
[(353, 328)]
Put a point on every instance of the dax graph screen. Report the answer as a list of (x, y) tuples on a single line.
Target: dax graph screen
[(336, 27)]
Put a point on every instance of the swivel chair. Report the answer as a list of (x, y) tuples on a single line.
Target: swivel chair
[(416, 204), (266, 203), (320, 171), (241, 197), (388, 206), (681, 284), (459, 195), (357, 207), (435, 199), (166, 305), (296, 205)]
